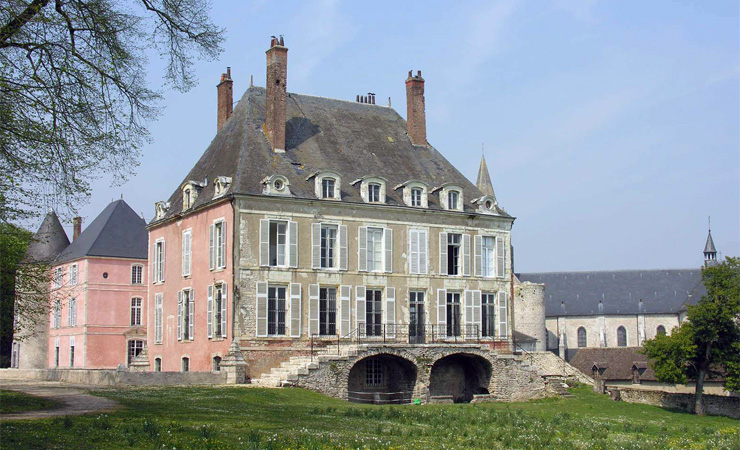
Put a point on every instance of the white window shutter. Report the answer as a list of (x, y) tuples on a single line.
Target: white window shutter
[(477, 254), (210, 311), (179, 315), (477, 312), (261, 309), (316, 245), (343, 256), (222, 251), (293, 239), (423, 251), (360, 307), (191, 315), (155, 263), (345, 310), (313, 309), (441, 309), (161, 262), (414, 251), (388, 234), (468, 330), (362, 249), (390, 312), (443, 197), (466, 255), (503, 319), (212, 246), (224, 309), (295, 309), (500, 257), (443, 253), (183, 262), (264, 243)]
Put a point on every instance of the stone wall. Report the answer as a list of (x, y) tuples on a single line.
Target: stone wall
[(529, 311), (102, 377), (714, 404), (551, 365)]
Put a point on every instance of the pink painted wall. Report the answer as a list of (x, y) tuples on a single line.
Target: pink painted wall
[(103, 313), (201, 349)]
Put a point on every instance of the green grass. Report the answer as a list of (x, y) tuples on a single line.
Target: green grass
[(243, 418), (16, 402)]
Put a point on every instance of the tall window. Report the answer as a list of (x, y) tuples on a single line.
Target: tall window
[(72, 312), (375, 249), (416, 194), (187, 252), (216, 365), (487, 256), (58, 275), (219, 317), (373, 193), (135, 346), (582, 337), (374, 312), (158, 318), (416, 316), (158, 266), (453, 197), (621, 337), (373, 372), (276, 311), (418, 251), (454, 241), (56, 352), (329, 258), (327, 187), (157, 364), (73, 274), (278, 243), (660, 331), (488, 311), (186, 364), (135, 311), (72, 351), (185, 312), (56, 318), (137, 272), (453, 314), (327, 311), (218, 245), (503, 316)]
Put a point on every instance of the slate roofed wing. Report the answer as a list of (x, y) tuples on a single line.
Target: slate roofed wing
[(350, 138)]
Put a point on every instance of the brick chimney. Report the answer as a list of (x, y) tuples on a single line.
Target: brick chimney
[(77, 227), (416, 122), (275, 112), (225, 98)]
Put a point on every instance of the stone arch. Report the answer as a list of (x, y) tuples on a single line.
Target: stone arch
[(460, 376), (382, 378)]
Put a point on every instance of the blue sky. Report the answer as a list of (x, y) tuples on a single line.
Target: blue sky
[(611, 129)]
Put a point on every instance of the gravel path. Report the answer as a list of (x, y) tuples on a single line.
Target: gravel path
[(73, 400)]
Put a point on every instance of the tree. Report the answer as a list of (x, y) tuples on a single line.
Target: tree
[(709, 341), (13, 244), (74, 100)]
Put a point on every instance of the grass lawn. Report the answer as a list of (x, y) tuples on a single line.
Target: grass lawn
[(16, 402), (250, 418)]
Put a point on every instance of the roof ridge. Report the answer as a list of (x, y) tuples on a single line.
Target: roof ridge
[(609, 271)]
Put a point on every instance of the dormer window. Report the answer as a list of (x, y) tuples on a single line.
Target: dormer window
[(220, 186), (372, 189), (328, 185), (190, 191), (486, 204), (450, 197), (160, 209), (415, 193), (276, 185)]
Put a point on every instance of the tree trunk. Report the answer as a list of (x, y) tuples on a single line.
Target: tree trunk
[(698, 399)]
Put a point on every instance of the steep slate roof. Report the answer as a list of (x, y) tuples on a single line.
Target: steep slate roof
[(350, 138), (616, 362), (117, 232), (484, 179), (709, 246), (47, 242), (579, 293)]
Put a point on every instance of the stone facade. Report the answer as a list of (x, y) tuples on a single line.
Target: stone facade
[(720, 405), (529, 315)]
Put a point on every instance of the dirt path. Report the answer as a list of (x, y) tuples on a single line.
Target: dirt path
[(73, 400)]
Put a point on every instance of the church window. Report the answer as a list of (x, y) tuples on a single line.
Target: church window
[(582, 337), (660, 331), (621, 337)]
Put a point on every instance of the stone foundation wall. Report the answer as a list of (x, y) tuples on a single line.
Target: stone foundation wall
[(101, 377), (714, 404), (551, 365)]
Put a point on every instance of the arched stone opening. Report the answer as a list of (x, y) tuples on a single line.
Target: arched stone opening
[(459, 377), (382, 379)]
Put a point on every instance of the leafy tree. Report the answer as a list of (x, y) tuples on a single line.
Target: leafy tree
[(709, 341), (13, 244), (74, 100)]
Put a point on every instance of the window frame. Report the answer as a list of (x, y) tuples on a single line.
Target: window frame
[(582, 336), (319, 188), (140, 268), (278, 327), (72, 312), (132, 351), (622, 332), (458, 246), (660, 330), (488, 314), (219, 242), (158, 258), (378, 232), (453, 313), (326, 314), (374, 373), (421, 254), (58, 278), (276, 246), (488, 265), (137, 307), (57, 314), (158, 317), (325, 185), (444, 198), (327, 261), (73, 274)]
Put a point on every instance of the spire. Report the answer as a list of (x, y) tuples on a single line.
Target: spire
[(48, 241), (484, 179), (710, 251)]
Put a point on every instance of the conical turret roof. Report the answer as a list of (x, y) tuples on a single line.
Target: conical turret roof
[(484, 179), (709, 246), (47, 242)]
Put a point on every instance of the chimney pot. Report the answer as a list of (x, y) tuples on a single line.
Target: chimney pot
[(225, 94), (77, 227), (418, 73), (276, 96), (416, 123)]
